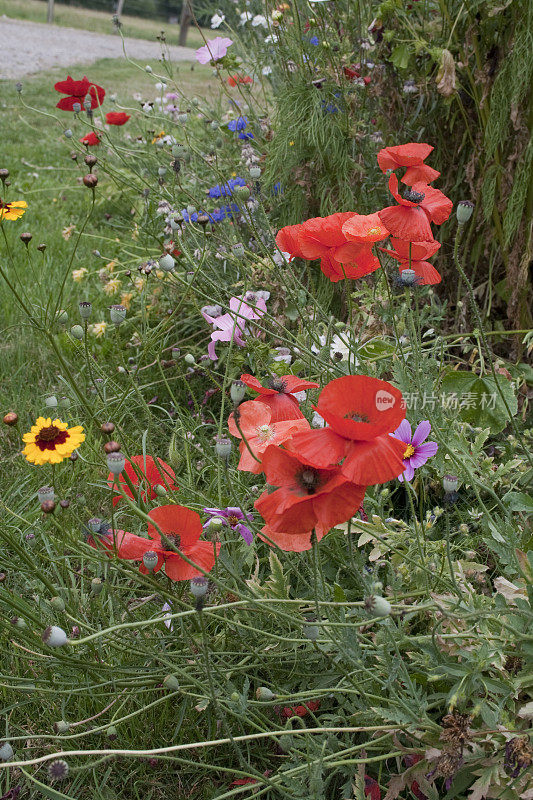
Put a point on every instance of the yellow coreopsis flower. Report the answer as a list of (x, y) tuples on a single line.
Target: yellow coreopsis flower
[(112, 286), (49, 442), (12, 210), (79, 274), (98, 329), (125, 299)]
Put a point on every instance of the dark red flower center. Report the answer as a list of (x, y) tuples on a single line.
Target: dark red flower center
[(413, 197), (48, 438), (175, 540), (278, 384), (4, 205), (309, 479), (353, 415)]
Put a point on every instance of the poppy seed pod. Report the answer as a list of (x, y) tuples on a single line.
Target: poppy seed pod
[(242, 192), (54, 636), (238, 249), (76, 107), (77, 332), (223, 446), (450, 483), (18, 622), (255, 172), (58, 770), (10, 418), (408, 277), (216, 524), (183, 117), (237, 391), (264, 694), (117, 314), (45, 493), (116, 463), (6, 752), (167, 263), (150, 560), (171, 682), (198, 586), (62, 317), (90, 180), (178, 150), (85, 309), (378, 606), (57, 603), (67, 134), (464, 211)]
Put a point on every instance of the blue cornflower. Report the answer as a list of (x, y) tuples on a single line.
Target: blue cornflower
[(239, 125), (314, 41), (225, 212), (194, 217), (226, 189)]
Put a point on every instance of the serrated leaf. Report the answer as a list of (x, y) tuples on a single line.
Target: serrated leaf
[(478, 400), (519, 501), (276, 583)]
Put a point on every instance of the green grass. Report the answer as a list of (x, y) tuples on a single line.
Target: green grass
[(99, 21)]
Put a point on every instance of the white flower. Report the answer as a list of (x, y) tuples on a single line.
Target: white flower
[(246, 17), (160, 87), (168, 619), (217, 19), (321, 341), (283, 354), (342, 349), (258, 20), (266, 71), (271, 38)]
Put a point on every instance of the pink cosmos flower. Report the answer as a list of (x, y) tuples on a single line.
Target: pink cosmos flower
[(232, 326), (214, 50), (418, 450)]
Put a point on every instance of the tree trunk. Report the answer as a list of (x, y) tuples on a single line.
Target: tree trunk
[(50, 12), (185, 21)]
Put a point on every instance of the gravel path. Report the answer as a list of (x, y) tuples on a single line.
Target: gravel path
[(30, 47)]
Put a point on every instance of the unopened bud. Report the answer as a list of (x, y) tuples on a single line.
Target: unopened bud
[(6, 752), (57, 603), (61, 726), (54, 636), (264, 694), (171, 683)]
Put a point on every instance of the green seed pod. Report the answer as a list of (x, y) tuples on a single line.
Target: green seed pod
[(77, 332), (237, 391), (171, 683), (111, 732), (264, 694), (150, 559), (6, 752), (58, 770), (235, 697), (96, 586), (62, 317), (378, 606), (57, 603), (160, 490)]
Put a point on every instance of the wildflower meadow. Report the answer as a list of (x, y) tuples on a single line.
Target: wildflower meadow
[(266, 449)]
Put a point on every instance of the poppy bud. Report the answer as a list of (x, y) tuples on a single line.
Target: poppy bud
[(116, 463), (96, 586), (464, 211), (107, 428), (6, 751), (90, 180), (189, 359), (150, 560), (45, 493), (171, 682), (160, 490), (4, 175), (111, 732), (51, 401), (54, 636), (264, 694), (61, 726), (94, 524), (10, 418), (255, 172), (67, 134), (26, 238), (48, 507), (223, 446), (112, 447), (58, 770), (90, 160), (18, 622), (57, 603), (62, 317), (161, 171), (242, 192), (64, 503), (237, 391), (238, 249), (167, 263), (198, 586), (216, 524), (378, 606), (30, 539), (117, 314), (183, 117), (148, 69), (77, 331), (85, 309)]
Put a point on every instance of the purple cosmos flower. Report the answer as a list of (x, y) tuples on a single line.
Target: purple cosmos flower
[(214, 50), (418, 450), (232, 326), (233, 517)]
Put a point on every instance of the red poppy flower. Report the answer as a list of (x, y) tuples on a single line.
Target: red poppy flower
[(116, 118), (403, 155), (372, 789), (416, 259), (278, 394), (233, 80), (307, 497), (182, 528), (291, 542), (288, 242), (147, 473), (365, 229), (255, 421), (300, 711), (420, 205), (352, 72), (90, 139), (360, 413), (78, 91)]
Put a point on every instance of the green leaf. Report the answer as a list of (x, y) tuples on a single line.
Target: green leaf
[(519, 501), (477, 399), (46, 791), (400, 56), (339, 595)]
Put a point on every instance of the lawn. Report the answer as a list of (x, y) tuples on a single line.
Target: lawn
[(99, 21)]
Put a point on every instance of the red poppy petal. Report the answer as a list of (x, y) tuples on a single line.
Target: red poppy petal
[(403, 155), (284, 407), (378, 461), (421, 172), (157, 472), (252, 414), (287, 240), (437, 206), (376, 401), (290, 542), (333, 508), (253, 383), (365, 228), (202, 553), (70, 86), (321, 448), (280, 466), (425, 272), (295, 384), (297, 518), (67, 103), (410, 224), (178, 521), (419, 250)]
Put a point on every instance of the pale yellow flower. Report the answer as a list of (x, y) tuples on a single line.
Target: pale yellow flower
[(66, 233), (139, 284), (111, 266), (98, 329), (79, 274), (160, 274), (126, 298), (112, 286)]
